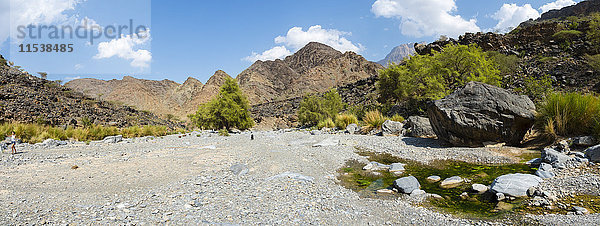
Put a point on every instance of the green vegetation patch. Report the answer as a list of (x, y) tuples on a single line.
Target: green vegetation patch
[(354, 177)]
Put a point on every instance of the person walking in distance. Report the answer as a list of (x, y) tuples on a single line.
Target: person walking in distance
[(13, 142)]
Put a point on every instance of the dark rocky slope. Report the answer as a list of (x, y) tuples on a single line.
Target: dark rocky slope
[(29, 99)]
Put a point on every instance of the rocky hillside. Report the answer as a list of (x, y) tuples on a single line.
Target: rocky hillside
[(398, 54), (314, 68), (161, 97), (29, 99)]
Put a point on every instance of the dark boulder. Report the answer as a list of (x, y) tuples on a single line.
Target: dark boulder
[(481, 113), (419, 127)]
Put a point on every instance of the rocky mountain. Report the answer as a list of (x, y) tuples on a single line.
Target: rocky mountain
[(161, 97), (314, 68), (582, 8), (29, 99), (398, 54)]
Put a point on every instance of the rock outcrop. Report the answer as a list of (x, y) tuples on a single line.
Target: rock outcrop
[(481, 113), (160, 97), (398, 54), (29, 99), (314, 68)]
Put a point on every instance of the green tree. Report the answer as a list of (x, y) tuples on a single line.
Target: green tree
[(230, 109), (429, 77), (314, 108), (593, 32)]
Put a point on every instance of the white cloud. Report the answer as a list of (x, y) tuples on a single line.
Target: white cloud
[(278, 52), (77, 67), (425, 17), (296, 38), (90, 24), (511, 15), (124, 48), (559, 4), (36, 12)]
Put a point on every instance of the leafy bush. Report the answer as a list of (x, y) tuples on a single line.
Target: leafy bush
[(230, 109), (374, 119), (223, 133), (593, 32), (314, 109), (429, 77), (397, 118), (327, 123), (593, 61), (567, 35), (342, 121), (570, 114), (536, 88), (507, 64)]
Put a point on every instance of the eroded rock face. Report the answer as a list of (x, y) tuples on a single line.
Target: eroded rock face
[(481, 113)]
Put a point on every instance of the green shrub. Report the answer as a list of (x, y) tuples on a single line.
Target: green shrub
[(230, 109), (326, 123), (507, 64), (536, 88), (343, 120), (593, 61), (397, 118), (567, 35), (374, 119), (314, 109), (429, 77), (223, 132), (570, 114), (593, 32)]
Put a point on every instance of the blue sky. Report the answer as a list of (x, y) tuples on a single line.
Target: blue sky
[(196, 38)]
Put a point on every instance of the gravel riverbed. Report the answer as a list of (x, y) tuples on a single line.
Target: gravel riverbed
[(277, 178)]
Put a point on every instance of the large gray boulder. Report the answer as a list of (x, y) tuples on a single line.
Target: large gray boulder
[(407, 184), (419, 127), (593, 153), (481, 113), (559, 160), (515, 185), (113, 139), (390, 127)]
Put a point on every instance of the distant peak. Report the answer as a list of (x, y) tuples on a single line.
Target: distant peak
[(217, 78)]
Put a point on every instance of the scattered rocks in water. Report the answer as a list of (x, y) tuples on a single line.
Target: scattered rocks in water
[(479, 188), (352, 128), (479, 113), (239, 169), (375, 166), (407, 184), (433, 179), (327, 142), (390, 127), (418, 126), (451, 182), (515, 185)]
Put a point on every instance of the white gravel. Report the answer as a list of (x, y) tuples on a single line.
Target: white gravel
[(188, 180)]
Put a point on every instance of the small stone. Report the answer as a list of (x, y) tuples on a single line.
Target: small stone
[(451, 182), (545, 167), (433, 179), (500, 196), (375, 166), (407, 184), (397, 167), (75, 167), (417, 192), (580, 210), (479, 188), (385, 191), (545, 174), (464, 195)]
